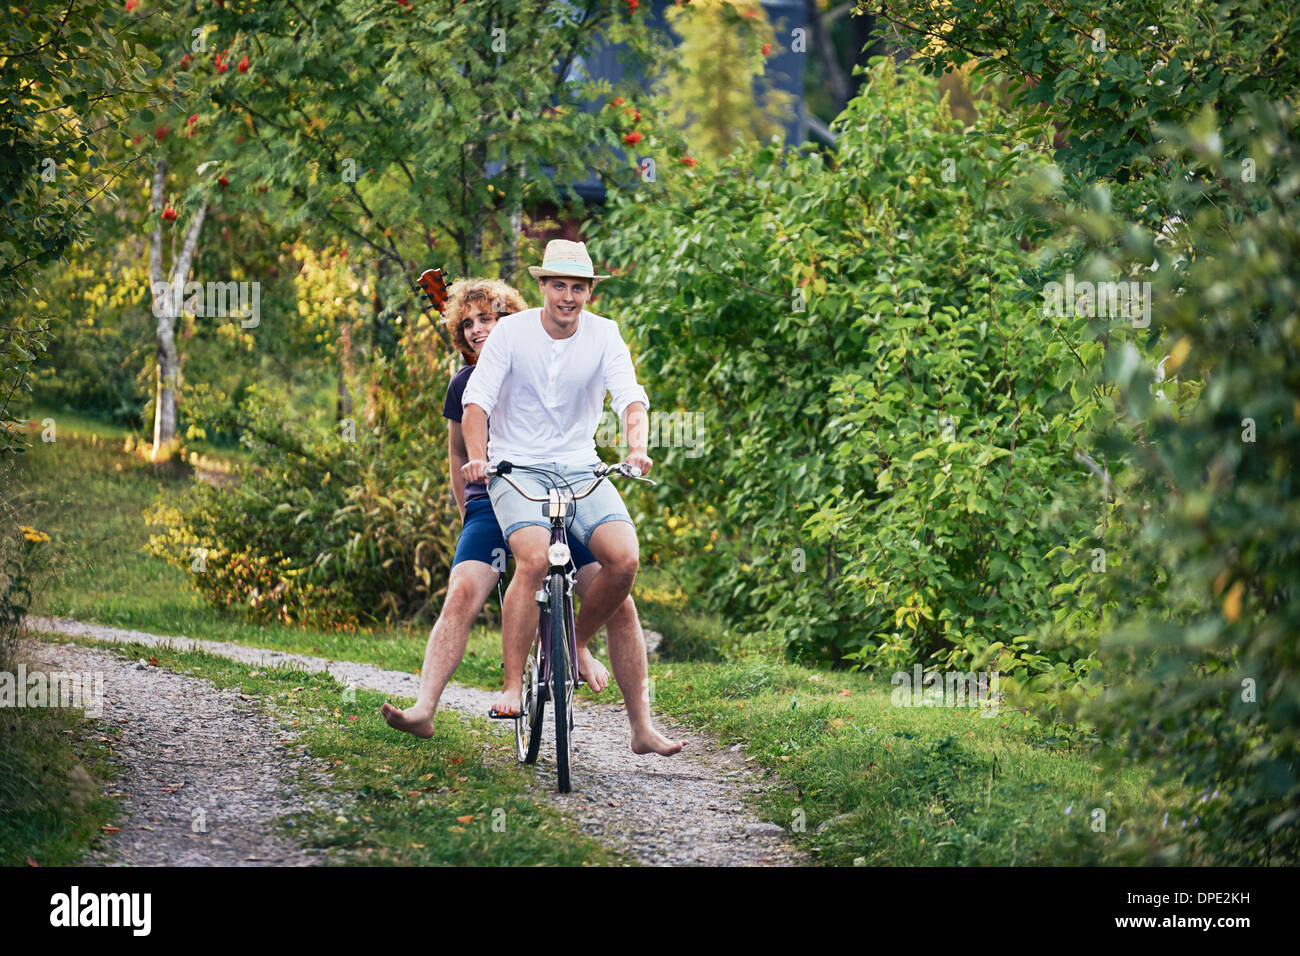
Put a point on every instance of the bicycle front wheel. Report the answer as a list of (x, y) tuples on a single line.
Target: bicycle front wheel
[(561, 682)]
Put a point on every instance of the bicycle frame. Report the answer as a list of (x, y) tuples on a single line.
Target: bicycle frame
[(557, 509), (554, 648)]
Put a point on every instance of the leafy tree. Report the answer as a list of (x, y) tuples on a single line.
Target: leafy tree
[(713, 91), (379, 123), (1110, 75), (67, 72), (1178, 160)]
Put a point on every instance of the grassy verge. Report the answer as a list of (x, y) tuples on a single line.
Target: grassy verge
[(54, 763), (867, 782), (394, 800)]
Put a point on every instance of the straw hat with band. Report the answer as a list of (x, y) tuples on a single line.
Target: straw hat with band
[(567, 260)]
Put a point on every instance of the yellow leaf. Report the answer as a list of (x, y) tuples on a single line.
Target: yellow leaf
[(1179, 354), (1232, 603)]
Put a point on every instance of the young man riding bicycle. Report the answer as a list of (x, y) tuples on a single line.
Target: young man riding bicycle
[(542, 378), (472, 310)]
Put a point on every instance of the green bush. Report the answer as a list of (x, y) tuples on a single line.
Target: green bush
[(321, 529), (1200, 614), (889, 419), (1174, 152)]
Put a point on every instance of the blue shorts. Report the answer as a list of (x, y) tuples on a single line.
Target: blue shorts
[(481, 539)]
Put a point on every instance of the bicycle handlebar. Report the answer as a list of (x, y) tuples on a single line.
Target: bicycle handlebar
[(601, 472)]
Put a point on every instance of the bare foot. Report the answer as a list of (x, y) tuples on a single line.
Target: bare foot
[(650, 741), (413, 721), (507, 702), (592, 670)]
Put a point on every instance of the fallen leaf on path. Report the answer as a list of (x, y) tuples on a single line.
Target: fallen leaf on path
[(154, 661), (108, 829)]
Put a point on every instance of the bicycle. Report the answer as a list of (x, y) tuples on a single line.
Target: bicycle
[(556, 640)]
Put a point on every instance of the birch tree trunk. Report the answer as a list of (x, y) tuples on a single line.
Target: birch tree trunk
[(167, 291)]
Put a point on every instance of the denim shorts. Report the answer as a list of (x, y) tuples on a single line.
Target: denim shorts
[(481, 539), (514, 511)]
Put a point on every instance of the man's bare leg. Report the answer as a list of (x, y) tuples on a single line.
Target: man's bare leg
[(627, 657), (467, 588), (591, 669), (614, 546), (520, 614)]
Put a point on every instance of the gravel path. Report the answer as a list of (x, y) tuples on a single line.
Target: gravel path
[(682, 810), (204, 773)]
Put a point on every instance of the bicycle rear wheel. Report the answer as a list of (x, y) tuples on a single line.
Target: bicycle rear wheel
[(561, 681), (528, 728)]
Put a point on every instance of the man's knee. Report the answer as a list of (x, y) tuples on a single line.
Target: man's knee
[(623, 566), (465, 593), (615, 546), (530, 557)]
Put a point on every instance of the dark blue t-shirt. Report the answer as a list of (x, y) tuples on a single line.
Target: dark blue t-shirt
[(453, 408)]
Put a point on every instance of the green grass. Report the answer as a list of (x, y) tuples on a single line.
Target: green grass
[(73, 423), (458, 800), (54, 763), (901, 785), (907, 785)]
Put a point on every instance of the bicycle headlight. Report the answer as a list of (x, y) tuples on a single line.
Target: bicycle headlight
[(558, 554)]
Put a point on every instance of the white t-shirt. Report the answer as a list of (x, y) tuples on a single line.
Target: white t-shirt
[(544, 396)]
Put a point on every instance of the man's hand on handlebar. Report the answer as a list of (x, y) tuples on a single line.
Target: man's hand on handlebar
[(474, 470), (641, 461)]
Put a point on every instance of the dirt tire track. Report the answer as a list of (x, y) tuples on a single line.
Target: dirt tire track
[(683, 810)]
